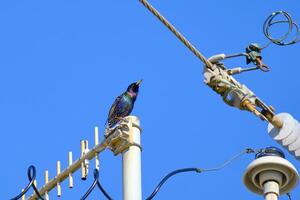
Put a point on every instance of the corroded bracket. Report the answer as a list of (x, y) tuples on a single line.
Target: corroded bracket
[(234, 93), (120, 137)]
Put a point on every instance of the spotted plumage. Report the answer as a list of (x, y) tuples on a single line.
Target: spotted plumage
[(123, 105)]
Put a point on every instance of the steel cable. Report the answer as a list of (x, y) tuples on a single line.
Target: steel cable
[(176, 33)]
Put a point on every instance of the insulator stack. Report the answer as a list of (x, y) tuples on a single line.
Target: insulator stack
[(288, 135)]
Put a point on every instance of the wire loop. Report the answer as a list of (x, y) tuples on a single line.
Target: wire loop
[(31, 174), (270, 21), (92, 187)]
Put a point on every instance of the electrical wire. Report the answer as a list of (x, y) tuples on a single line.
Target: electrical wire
[(156, 190), (169, 175), (269, 22), (289, 196), (31, 173), (223, 165), (198, 170), (92, 187)]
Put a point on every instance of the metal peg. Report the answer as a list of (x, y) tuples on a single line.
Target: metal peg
[(58, 183), (35, 184), (70, 174), (46, 181), (23, 197), (97, 162), (85, 163)]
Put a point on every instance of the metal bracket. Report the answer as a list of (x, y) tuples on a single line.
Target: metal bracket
[(234, 93), (119, 138)]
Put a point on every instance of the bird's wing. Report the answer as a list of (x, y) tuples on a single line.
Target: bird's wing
[(113, 112), (122, 107)]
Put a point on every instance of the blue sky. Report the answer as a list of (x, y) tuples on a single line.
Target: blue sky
[(64, 62)]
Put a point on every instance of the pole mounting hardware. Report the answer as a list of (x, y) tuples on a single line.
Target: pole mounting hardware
[(119, 138)]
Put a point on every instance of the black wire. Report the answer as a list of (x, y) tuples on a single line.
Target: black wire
[(289, 196), (30, 170), (92, 187), (175, 172), (103, 191), (169, 176), (31, 174), (198, 170)]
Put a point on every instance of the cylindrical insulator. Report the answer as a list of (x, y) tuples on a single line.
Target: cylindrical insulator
[(288, 135)]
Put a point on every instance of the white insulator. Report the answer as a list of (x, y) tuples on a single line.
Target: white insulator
[(289, 135), (271, 168), (293, 136), (296, 144), (297, 154), (285, 131)]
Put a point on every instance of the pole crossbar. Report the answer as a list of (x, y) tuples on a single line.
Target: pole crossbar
[(71, 169)]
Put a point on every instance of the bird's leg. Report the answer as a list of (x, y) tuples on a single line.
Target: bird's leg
[(123, 123), (109, 130), (122, 119)]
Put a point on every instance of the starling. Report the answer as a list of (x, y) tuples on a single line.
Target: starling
[(123, 105)]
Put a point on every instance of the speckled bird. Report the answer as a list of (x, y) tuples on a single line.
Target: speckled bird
[(123, 104)]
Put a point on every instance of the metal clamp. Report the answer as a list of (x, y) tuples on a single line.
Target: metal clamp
[(120, 138)]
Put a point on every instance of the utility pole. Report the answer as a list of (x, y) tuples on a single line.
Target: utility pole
[(126, 140), (132, 186)]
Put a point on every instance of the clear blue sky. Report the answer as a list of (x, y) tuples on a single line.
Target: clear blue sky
[(64, 62)]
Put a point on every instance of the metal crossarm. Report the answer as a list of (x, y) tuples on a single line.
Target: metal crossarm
[(71, 169)]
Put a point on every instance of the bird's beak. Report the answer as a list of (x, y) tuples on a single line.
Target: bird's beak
[(139, 82)]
